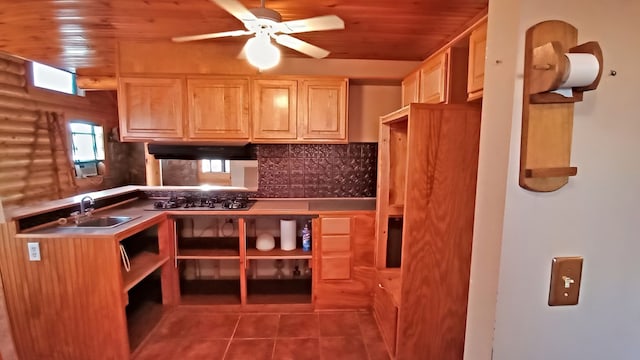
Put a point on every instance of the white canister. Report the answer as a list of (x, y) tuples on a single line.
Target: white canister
[(287, 235)]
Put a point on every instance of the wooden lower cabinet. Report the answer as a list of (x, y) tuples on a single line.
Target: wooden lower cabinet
[(78, 302), (345, 260)]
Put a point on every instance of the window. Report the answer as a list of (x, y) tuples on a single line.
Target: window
[(215, 166), (87, 142), (48, 77)]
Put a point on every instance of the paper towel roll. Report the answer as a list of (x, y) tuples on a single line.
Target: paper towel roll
[(287, 235), (583, 70)]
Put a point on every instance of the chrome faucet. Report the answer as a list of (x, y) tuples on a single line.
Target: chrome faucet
[(83, 211), (78, 216)]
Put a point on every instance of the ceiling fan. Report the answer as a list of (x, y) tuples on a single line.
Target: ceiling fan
[(267, 24)]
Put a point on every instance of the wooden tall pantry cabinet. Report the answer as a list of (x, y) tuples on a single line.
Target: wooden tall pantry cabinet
[(427, 166)]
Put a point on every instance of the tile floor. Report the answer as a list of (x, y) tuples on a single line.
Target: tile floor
[(197, 334)]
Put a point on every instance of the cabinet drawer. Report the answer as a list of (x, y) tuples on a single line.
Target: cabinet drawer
[(332, 243), (386, 314), (336, 267), (340, 225)]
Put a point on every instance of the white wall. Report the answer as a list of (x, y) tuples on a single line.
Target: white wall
[(367, 102), (595, 216)]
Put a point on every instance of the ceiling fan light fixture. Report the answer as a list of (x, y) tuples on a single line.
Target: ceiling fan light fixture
[(261, 53)]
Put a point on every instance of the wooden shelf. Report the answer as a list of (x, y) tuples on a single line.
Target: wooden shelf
[(209, 299), (142, 265), (278, 254), (195, 254), (222, 291), (279, 291), (142, 321), (551, 172), (395, 210), (279, 299), (277, 280)]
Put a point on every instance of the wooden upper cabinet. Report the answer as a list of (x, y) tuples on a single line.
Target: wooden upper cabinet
[(323, 110), (477, 52), (151, 109), (433, 79), (410, 88), (218, 108), (274, 109)]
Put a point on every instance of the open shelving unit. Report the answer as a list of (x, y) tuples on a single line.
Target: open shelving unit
[(265, 284), (142, 281), (144, 309), (207, 257), (217, 262)]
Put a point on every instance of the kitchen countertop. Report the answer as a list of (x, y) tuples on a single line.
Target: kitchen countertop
[(142, 220), (307, 206), (144, 217)]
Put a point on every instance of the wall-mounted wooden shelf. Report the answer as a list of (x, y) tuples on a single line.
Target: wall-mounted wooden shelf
[(547, 117), (551, 172)]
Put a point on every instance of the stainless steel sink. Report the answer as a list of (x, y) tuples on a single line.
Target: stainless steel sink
[(105, 221)]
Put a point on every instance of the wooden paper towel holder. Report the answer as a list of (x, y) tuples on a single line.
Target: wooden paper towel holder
[(547, 118)]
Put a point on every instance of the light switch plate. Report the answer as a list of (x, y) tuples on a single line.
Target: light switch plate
[(566, 274)]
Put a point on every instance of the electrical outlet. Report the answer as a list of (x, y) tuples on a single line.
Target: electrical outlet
[(34, 251)]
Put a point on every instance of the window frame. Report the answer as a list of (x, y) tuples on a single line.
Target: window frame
[(216, 177), (224, 164), (32, 80), (95, 161)]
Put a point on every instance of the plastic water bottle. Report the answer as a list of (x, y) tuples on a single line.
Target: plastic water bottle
[(306, 238)]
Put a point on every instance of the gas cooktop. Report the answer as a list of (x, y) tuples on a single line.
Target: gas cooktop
[(204, 203)]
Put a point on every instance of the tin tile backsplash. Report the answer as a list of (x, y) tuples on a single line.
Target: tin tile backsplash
[(299, 171), (317, 170)]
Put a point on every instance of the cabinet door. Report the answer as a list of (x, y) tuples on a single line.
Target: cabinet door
[(386, 314), (151, 109), (477, 51), (323, 110), (433, 80), (218, 108), (410, 88), (274, 109)]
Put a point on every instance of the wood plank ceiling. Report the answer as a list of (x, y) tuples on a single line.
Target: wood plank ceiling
[(82, 34)]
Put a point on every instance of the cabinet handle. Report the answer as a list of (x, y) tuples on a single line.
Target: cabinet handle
[(380, 286), (125, 258)]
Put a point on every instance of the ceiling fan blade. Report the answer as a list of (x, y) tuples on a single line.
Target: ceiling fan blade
[(301, 46), (211, 36), (318, 23), (235, 8)]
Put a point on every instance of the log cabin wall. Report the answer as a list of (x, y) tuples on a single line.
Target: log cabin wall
[(36, 162), (34, 165)]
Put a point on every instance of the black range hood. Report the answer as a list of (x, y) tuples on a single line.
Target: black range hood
[(197, 152)]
